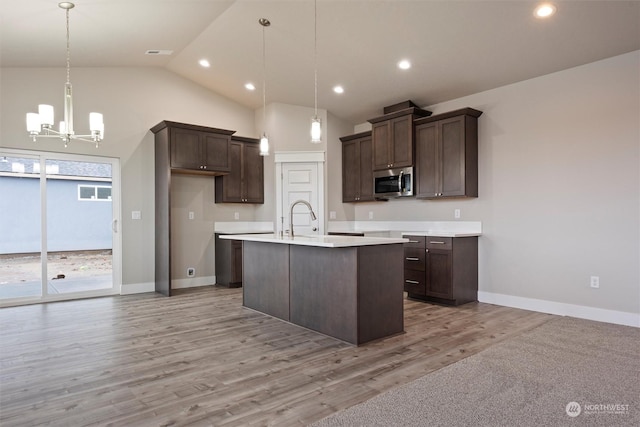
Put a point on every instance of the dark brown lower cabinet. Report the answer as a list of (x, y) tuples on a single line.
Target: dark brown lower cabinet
[(228, 262), (441, 269)]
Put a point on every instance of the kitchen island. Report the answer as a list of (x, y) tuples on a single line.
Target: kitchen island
[(350, 288)]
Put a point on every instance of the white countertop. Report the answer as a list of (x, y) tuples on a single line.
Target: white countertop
[(440, 233), (323, 241)]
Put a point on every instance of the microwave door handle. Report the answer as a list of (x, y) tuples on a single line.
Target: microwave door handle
[(400, 181)]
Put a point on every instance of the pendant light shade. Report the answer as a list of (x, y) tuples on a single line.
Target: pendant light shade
[(316, 130), (264, 140)]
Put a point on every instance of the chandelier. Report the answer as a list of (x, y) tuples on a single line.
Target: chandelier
[(40, 124)]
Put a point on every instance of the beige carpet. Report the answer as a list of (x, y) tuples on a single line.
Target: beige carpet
[(530, 380)]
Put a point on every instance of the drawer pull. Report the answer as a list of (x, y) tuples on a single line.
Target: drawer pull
[(414, 241), (413, 282), (435, 242), (412, 259)]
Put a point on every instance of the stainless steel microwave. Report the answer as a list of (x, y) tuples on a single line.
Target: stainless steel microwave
[(393, 182)]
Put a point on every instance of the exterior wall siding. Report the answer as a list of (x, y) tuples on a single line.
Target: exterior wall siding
[(72, 224)]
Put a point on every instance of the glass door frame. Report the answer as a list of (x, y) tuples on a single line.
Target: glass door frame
[(116, 255)]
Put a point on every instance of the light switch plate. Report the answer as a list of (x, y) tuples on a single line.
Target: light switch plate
[(135, 214)]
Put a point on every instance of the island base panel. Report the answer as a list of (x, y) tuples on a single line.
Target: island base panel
[(324, 292), (380, 292), (353, 294), (266, 278)]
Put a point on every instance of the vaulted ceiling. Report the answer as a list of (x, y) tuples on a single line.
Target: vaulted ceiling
[(456, 47)]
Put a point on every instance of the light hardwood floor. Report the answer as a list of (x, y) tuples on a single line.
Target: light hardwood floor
[(200, 358)]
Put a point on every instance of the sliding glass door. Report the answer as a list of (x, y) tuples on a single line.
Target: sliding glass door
[(59, 222)]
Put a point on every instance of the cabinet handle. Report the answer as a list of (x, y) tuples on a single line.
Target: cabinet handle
[(412, 259), (414, 241), (413, 282), (426, 250), (435, 242)]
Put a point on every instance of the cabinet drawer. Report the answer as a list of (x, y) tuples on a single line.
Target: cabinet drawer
[(414, 282), (414, 259), (439, 243), (415, 242)]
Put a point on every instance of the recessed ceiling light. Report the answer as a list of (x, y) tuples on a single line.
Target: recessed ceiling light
[(204, 63), (404, 64), (338, 89), (544, 10), (250, 86)]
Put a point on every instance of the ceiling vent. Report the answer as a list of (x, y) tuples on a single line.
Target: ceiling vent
[(158, 52)]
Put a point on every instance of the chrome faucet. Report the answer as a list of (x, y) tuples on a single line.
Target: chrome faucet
[(311, 213)]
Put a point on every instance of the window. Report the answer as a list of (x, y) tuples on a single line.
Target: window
[(94, 192)]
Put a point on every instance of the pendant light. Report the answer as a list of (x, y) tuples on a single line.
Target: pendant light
[(40, 124), (316, 124), (264, 140)]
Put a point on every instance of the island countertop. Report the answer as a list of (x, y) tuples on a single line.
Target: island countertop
[(321, 241)]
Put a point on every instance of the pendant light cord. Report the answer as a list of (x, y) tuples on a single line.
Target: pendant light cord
[(315, 56), (264, 78), (68, 51)]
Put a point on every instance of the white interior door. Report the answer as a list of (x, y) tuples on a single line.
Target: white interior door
[(300, 182)]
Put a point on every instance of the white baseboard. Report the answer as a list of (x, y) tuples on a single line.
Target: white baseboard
[(193, 282), (562, 309), (140, 288), (137, 288)]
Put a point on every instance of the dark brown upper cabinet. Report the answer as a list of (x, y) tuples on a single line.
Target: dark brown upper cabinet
[(393, 138), (357, 169), (197, 149), (245, 182), (447, 154)]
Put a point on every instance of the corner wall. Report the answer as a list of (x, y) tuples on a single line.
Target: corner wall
[(559, 188)]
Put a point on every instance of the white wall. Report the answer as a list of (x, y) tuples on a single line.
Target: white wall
[(559, 189), (132, 101)]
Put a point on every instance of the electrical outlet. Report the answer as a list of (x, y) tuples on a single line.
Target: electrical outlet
[(191, 215), (332, 215), (456, 213), (595, 282), (370, 214), (191, 272), (236, 215)]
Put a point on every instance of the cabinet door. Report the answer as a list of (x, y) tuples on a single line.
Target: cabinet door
[(366, 169), (252, 174), (350, 171), (215, 151), (381, 135), (401, 143), (427, 161), (439, 279), (185, 149), (452, 136), (232, 183)]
